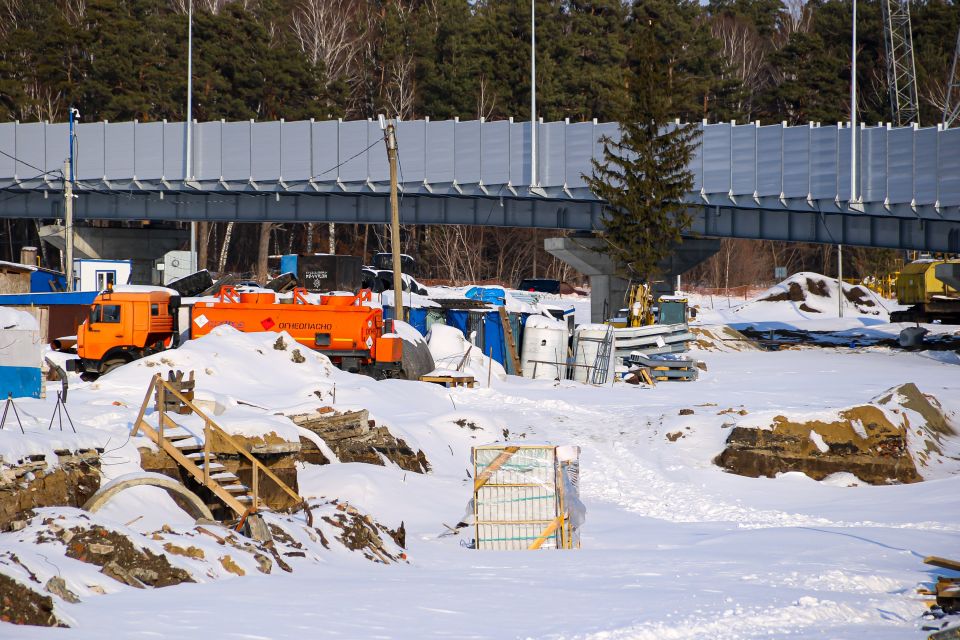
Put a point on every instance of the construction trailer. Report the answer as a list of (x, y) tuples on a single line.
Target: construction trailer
[(99, 275)]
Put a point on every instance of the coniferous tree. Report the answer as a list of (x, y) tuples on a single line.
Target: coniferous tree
[(644, 176)]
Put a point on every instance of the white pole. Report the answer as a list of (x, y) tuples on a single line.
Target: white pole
[(853, 108), (853, 147), (68, 221), (188, 163), (533, 94), (840, 277)]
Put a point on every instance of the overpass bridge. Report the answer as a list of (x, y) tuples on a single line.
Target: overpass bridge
[(766, 182)]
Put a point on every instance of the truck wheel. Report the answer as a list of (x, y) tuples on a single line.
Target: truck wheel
[(111, 364)]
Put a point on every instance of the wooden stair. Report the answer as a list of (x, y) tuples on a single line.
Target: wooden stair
[(195, 456)]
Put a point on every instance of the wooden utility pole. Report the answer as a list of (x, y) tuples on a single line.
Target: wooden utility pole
[(68, 222), (391, 139)]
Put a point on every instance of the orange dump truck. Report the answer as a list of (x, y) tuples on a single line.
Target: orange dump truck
[(125, 325), (128, 324), (343, 328)]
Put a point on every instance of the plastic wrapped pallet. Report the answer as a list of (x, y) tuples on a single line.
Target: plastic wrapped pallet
[(527, 497)]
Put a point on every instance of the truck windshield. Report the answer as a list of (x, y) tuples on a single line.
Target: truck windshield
[(109, 313)]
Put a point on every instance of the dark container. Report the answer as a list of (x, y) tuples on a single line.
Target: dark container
[(329, 272)]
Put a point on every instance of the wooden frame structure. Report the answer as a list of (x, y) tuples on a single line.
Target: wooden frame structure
[(242, 500)]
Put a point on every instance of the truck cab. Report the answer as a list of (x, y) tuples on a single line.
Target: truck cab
[(123, 326)]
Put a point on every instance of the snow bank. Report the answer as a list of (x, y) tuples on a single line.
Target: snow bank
[(544, 322), (448, 346), (812, 295), (16, 319)]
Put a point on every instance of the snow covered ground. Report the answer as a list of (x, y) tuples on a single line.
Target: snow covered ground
[(673, 546)]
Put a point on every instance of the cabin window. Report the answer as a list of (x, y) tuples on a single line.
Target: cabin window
[(154, 309), (106, 279), (108, 313)]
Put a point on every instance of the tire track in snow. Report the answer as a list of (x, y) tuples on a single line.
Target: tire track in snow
[(616, 474), (895, 613), (627, 480)]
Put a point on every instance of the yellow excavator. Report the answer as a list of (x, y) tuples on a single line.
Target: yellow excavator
[(642, 311)]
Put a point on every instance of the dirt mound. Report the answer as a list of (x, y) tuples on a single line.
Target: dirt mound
[(722, 338), (68, 481), (892, 439), (353, 437), (817, 293), (360, 532), (20, 604), (121, 560)]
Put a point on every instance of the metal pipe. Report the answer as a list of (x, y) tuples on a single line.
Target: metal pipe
[(188, 161), (68, 222), (840, 277), (853, 146), (533, 94), (853, 107)]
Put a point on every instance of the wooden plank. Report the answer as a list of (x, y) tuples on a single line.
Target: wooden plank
[(450, 381), (239, 448), (511, 343), (549, 531), (143, 407), (221, 493), (944, 563), (498, 462)]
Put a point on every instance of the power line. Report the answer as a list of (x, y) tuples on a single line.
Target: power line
[(16, 159), (15, 187), (337, 166)]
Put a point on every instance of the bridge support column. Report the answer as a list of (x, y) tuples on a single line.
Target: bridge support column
[(608, 290)]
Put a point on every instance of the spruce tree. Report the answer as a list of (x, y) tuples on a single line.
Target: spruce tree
[(644, 175)]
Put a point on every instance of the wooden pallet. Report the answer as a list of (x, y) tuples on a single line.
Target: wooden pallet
[(451, 381)]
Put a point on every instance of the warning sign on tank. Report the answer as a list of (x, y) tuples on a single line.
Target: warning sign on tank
[(201, 320)]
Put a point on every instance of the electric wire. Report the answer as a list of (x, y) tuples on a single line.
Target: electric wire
[(24, 162)]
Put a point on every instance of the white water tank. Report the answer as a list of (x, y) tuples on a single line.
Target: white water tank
[(586, 345), (544, 351)]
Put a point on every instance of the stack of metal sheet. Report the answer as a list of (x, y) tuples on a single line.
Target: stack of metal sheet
[(653, 339), (665, 368)]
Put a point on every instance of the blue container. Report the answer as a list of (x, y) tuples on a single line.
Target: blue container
[(417, 318), (21, 382)]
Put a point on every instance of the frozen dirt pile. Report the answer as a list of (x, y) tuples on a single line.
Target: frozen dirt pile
[(902, 436), (812, 295)]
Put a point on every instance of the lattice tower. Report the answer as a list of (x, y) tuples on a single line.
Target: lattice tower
[(901, 71)]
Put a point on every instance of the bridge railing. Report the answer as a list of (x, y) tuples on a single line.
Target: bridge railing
[(907, 166)]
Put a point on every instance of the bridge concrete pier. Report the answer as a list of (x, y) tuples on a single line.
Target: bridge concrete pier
[(608, 290), (112, 243)]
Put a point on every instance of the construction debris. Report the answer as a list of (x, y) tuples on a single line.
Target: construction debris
[(353, 437), (661, 369)]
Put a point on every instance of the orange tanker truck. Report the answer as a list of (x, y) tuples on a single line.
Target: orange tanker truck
[(131, 323), (343, 328)]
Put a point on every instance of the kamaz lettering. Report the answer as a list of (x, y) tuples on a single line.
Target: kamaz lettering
[(306, 325)]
